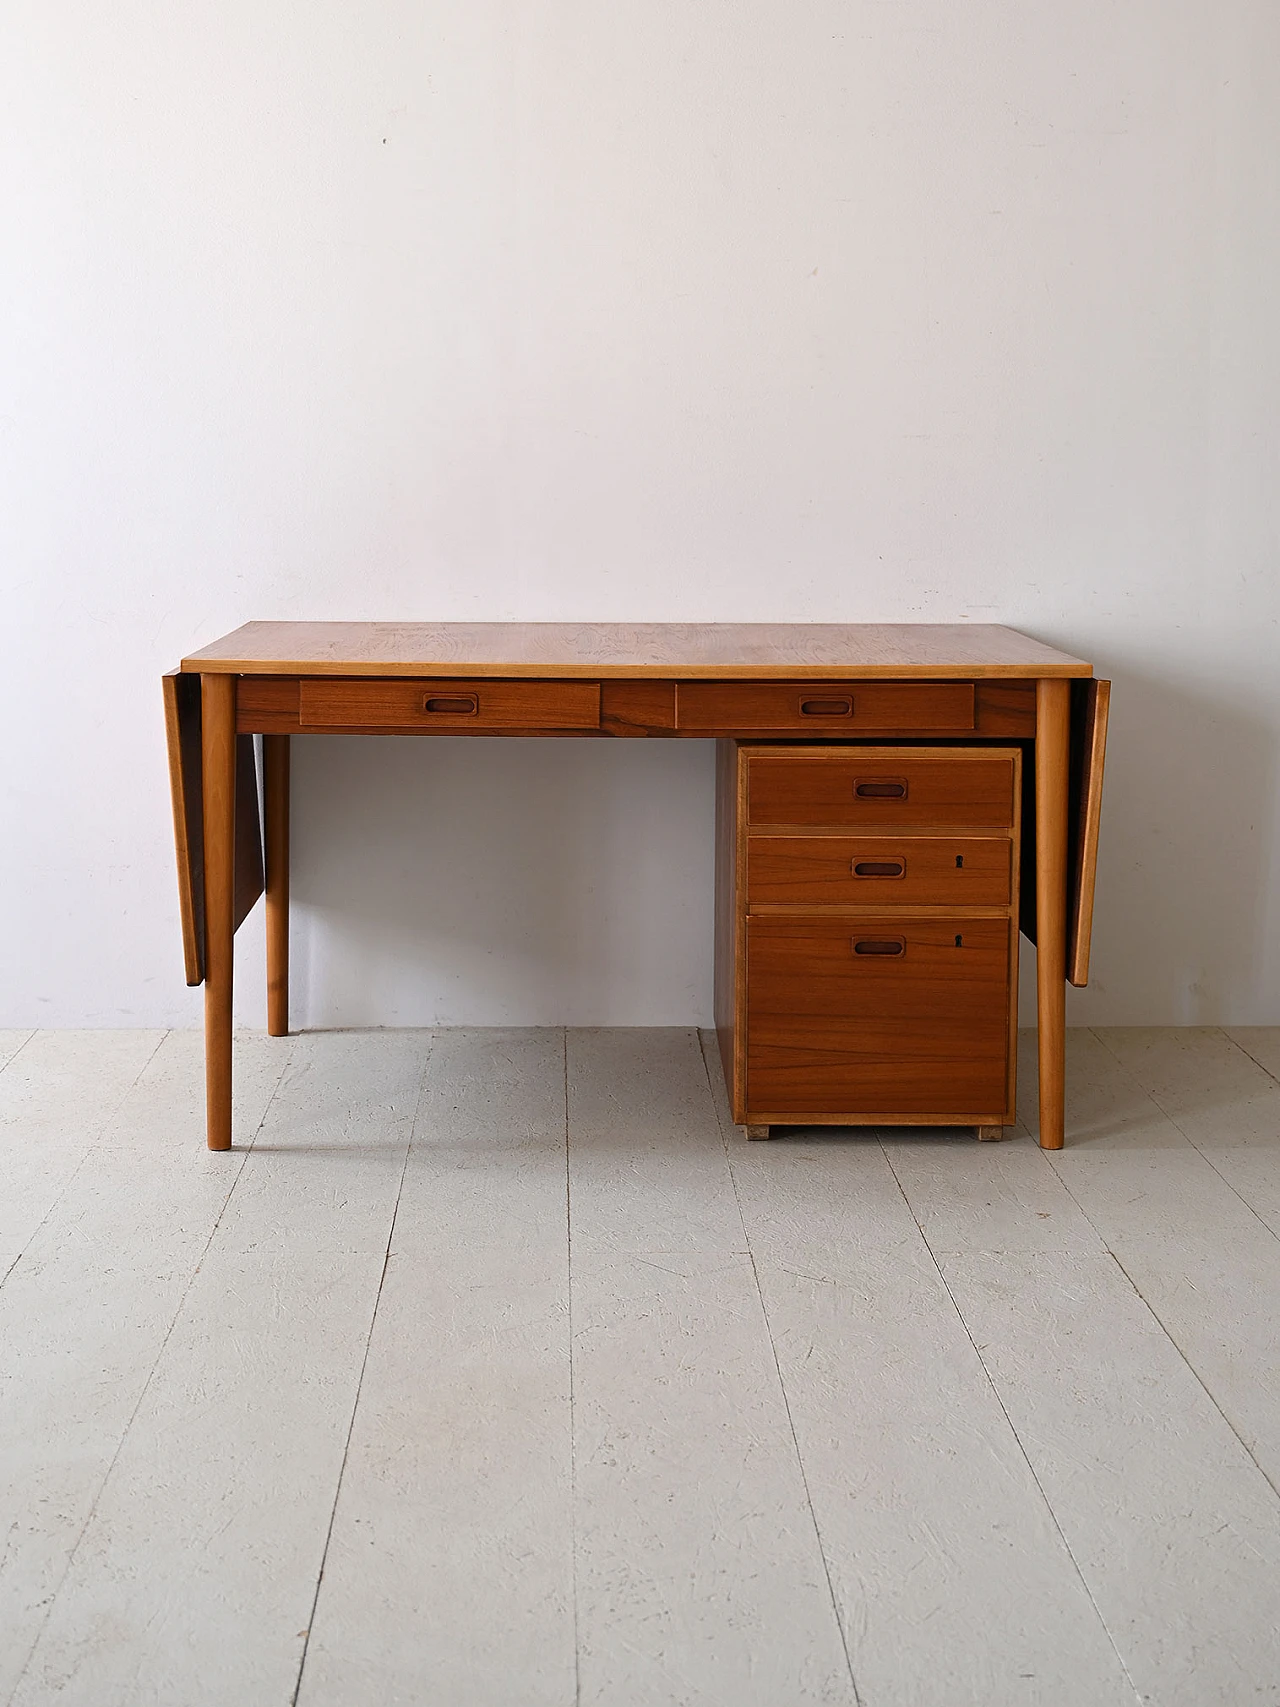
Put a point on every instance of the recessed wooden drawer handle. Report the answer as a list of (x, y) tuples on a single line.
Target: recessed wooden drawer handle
[(879, 868), (842, 707), (880, 945), (891, 788), (456, 705)]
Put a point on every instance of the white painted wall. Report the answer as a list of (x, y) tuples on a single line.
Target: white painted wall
[(835, 310)]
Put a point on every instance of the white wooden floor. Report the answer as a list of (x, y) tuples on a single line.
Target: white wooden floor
[(497, 1368)]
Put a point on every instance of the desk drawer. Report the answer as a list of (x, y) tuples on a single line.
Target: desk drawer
[(824, 708), (882, 788), (877, 1015), (446, 704), (880, 871)]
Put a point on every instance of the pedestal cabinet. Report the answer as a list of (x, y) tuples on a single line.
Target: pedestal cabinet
[(867, 934)]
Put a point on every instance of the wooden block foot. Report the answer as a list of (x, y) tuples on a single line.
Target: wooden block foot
[(758, 1131), (991, 1131)]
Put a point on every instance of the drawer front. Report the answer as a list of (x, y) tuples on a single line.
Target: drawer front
[(880, 871), (881, 789), (824, 708), (876, 1015), (447, 705)]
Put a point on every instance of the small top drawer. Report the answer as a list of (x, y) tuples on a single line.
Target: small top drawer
[(883, 787), (823, 708), (447, 704)]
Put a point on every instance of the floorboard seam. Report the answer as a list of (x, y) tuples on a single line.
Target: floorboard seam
[(364, 1364), (1026, 1456), (102, 1127), (1236, 1044), (4, 1066), (804, 1481), (1155, 1316), (782, 1386), (573, 1440), (1052, 1159), (242, 1156), (1173, 1121)]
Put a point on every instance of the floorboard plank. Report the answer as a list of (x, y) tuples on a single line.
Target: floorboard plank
[(87, 1308), (195, 1579), (56, 1097), (953, 1581), (456, 1496), (488, 1165), (1218, 1098), (450, 1571), (649, 1168), (325, 1170), (1172, 1525), (700, 1579), (1175, 1530), (1203, 1258), (196, 1574)]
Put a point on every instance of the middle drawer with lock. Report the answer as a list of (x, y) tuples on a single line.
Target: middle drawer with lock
[(876, 871)]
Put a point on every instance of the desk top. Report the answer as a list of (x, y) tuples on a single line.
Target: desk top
[(736, 650)]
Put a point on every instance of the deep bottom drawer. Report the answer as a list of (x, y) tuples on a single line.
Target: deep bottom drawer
[(882, 1016)]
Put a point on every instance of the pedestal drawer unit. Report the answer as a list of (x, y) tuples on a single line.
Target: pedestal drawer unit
[(867, 942)]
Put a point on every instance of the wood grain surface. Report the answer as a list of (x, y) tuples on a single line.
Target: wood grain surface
[(839, 708), (220, 776), (836, 1021), (1090, 708), (818, 1028), (454, 704), (646, 706), (1053, 769), (182, 733), (879, 871), (812, 651), (960, 787), (275, 798)]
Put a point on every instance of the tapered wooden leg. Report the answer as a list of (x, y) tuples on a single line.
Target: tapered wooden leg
[(1052, 755), (275, 790), (218, 742)]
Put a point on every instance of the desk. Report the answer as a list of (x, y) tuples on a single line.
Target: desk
[(832, 686)]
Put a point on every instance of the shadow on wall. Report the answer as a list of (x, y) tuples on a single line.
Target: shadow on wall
[(1185, 857), (528, 882)]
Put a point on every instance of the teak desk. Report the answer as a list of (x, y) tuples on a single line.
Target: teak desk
[(850, 755)]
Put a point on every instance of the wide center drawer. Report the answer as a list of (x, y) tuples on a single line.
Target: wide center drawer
[(880, 871), (404, 704), (880, 788), (823, 708), (874, 1015)]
